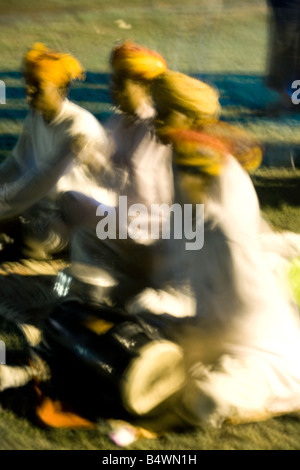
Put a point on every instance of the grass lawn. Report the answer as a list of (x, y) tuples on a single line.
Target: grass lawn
[(221, 41)]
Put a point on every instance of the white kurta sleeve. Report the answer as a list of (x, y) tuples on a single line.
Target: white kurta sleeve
[(33, 185)]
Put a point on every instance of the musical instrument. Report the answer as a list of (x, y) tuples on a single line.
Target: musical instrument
[(102, 354), (93, 285)]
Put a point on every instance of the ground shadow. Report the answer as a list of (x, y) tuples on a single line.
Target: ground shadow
[(244, 99), (240, 90), (274, 191), (286, 154)]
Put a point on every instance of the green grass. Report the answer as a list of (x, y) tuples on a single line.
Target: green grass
[(279, 196), (224, 43)]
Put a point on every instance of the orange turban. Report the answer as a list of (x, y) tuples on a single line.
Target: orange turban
[(197, 149), (137, 62), (51, 67)]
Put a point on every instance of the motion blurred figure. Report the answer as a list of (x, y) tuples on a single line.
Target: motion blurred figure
[(142, 169), (183, 103), (243, 343), (250, 369), (62, 147), (143, 162)]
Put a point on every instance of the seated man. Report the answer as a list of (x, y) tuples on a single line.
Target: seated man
[(137, 154), (62, 147), (243, 343), (246, 338), (142, 169), (183, 103)]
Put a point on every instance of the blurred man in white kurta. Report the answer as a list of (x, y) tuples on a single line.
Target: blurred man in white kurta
[(242, 343), (141, 163), (62, 147)]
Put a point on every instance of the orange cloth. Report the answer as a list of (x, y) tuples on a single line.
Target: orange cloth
[(197, 149), (55, 414)]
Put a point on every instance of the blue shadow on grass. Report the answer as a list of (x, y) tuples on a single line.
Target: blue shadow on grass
[(244, 99), (235, 89), (241, 91)]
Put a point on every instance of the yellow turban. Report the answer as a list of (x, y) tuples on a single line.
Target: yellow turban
[(243, 146), (197, 149), (175, 91), (51, 67), (137, 62)]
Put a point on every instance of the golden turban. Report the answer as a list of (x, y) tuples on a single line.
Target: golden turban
[(137, 62), (175, 91), (197, 149), (51, 67)]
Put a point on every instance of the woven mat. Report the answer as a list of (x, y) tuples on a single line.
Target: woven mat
[(29, 267)]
